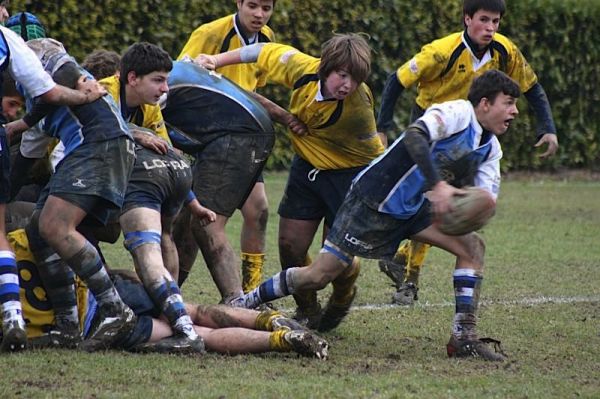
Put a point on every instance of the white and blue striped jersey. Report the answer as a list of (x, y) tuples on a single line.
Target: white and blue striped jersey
[(461, 150)]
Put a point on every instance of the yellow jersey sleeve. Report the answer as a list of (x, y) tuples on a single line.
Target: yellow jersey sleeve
[(518, 68), (426, 65), (284, 64)]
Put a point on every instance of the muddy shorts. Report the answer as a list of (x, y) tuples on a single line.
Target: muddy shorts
[(93, 177), (227, 169), (361, 230)]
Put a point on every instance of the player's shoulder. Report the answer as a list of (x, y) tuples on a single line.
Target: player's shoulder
[(217, 24), (503, 40), (268, 32), (447, 43)]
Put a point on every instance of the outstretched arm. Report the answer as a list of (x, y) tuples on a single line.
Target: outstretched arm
[(546, 131), (245, 54), (279, 114)]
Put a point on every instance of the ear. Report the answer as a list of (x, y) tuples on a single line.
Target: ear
[(484, 104), (467, 20), (131, 78)]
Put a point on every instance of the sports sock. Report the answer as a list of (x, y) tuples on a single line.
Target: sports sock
[(467, 285), (168, 297), (58, 280), (276, 287), (9, 289), (252, 266), (264, 320), (89, 267), (277, 341), (417, 251)]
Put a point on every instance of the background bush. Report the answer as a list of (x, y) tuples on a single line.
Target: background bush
[(554, 35)]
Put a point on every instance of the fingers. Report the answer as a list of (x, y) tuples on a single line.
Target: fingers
[(552, 142)]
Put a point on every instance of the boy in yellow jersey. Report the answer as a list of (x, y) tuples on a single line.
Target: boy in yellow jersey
[(330, 97), (137, 89), (444, 70), (225, 330), (246, 27)]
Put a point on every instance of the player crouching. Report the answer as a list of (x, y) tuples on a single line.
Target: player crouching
[(452, 145)]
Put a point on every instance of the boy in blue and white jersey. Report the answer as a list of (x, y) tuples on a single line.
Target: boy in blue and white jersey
[(91, 179), (453, 143), (26, 69)]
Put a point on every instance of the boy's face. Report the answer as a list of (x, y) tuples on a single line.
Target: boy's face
[(11, 106), (148, 88), (254, 14), (497, 116), (339, 85), (482, 26)]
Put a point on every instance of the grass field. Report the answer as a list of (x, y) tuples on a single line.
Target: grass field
[(541, 297)]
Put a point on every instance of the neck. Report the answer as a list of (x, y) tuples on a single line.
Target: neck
[(477, 49), (131, 98)]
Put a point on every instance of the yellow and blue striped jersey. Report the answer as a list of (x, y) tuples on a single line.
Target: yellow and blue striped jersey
[(341, 133)]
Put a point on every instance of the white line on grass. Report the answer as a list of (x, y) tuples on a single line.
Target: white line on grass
[(516, 302)]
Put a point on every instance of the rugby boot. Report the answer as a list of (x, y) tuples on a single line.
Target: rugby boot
[(394, 269), (179, 344), (307, 344), (281, 322), (68, 338), (308, 317), (477, 348), (405, 295), (111, 323), (14, 336), (334, 312)]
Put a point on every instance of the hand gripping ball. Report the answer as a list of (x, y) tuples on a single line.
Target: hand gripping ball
[(470, 212)]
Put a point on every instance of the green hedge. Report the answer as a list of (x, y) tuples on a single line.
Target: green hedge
[(556, 36)]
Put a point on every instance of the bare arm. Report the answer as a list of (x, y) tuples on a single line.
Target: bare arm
[(245, 54), (280, 115), (87, 91)]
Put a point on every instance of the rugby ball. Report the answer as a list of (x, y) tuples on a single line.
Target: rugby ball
[(470, 212)]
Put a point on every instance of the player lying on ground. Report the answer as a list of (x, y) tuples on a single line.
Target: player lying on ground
[(224, 329), (387, 203)]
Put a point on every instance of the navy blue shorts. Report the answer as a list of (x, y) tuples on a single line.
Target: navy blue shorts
[(312, 194), (93, 177), (363, 231), (227, 169), (159, 182), (4, 168), (135, 296)]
